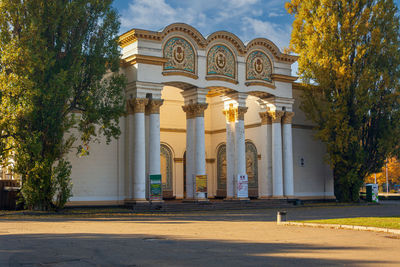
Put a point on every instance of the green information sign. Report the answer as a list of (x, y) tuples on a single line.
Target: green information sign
[(155, 187)]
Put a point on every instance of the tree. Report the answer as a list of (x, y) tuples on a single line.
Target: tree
[(393, 166), (54, 57), (349, 64)]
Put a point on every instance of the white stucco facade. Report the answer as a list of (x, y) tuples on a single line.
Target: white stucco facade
[(205, 106)]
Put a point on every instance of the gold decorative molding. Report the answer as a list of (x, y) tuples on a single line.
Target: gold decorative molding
[(138, 104), (172, 130), (283, 78), (287, 118), (153, 107), (265, 118), (276, 116), (219, 78), (210, 160), (178, 160), (180, 73), (241, 112), (272, 48), (151, 60), (260, 83), (133, 35)]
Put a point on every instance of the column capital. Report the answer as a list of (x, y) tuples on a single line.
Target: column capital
[(276, 116), (241, 112), (194, 110), (287, 118), (137, 105), (231, 114), (265, 118), (153, 107)]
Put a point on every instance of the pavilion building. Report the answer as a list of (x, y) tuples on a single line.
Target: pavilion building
[(205, 106)]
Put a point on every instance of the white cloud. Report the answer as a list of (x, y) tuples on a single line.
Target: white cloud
[(155, 14), (279, 34), (242, 17)]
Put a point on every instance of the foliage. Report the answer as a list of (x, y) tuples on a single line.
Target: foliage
[(393, 166), (349, 63), (54, 56)]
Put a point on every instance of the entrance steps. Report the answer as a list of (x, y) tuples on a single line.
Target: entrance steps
[(182, 206)]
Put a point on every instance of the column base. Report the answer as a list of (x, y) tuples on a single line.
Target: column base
[(265, 197), (156, 201), (189, 200), (277, 197), (235, 199), (139, 201)]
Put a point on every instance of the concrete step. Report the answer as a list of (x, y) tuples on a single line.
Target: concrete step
[(175, 206)]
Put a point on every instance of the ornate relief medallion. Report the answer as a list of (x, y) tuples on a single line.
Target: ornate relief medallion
[(180, 55), (221, 61), (258, 67)]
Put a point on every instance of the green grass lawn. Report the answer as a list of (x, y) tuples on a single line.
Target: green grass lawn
[(382, 222)]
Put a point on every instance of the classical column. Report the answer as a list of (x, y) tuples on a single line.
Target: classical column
[(130, 120), (277, 178), (190, 136), (287, 154), (240, 144), (153, 109), (200, 143), (231, 117), (139, 149), (265, 181)]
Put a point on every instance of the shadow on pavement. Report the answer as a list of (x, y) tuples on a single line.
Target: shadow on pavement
[(296, 213), (150, 250)]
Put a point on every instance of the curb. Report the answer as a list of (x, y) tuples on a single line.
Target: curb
[(342, 226)]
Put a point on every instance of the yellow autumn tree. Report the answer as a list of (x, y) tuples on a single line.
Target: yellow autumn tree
[(349, 64), (393, 165)]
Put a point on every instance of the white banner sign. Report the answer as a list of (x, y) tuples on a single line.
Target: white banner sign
[(242, 186)]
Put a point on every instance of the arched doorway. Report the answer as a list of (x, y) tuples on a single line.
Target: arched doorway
[(166, 170), (221, 171), (251, 169)]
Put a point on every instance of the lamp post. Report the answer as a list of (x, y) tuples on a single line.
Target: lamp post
[(387, 180)]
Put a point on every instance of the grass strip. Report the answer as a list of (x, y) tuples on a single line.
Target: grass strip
[(381, 222)]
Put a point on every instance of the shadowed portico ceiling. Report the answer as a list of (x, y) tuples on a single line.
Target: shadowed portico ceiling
[(133, 35)]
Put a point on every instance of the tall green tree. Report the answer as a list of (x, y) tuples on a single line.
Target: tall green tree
[(349, 58), (59, 86)]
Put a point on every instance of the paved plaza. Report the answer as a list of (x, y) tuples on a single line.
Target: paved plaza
[(209, 238)]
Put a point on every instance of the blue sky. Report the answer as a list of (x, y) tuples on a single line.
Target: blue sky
[(248, 19)]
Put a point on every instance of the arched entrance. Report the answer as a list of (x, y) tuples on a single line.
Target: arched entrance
[(166, 170), (251, 169)]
